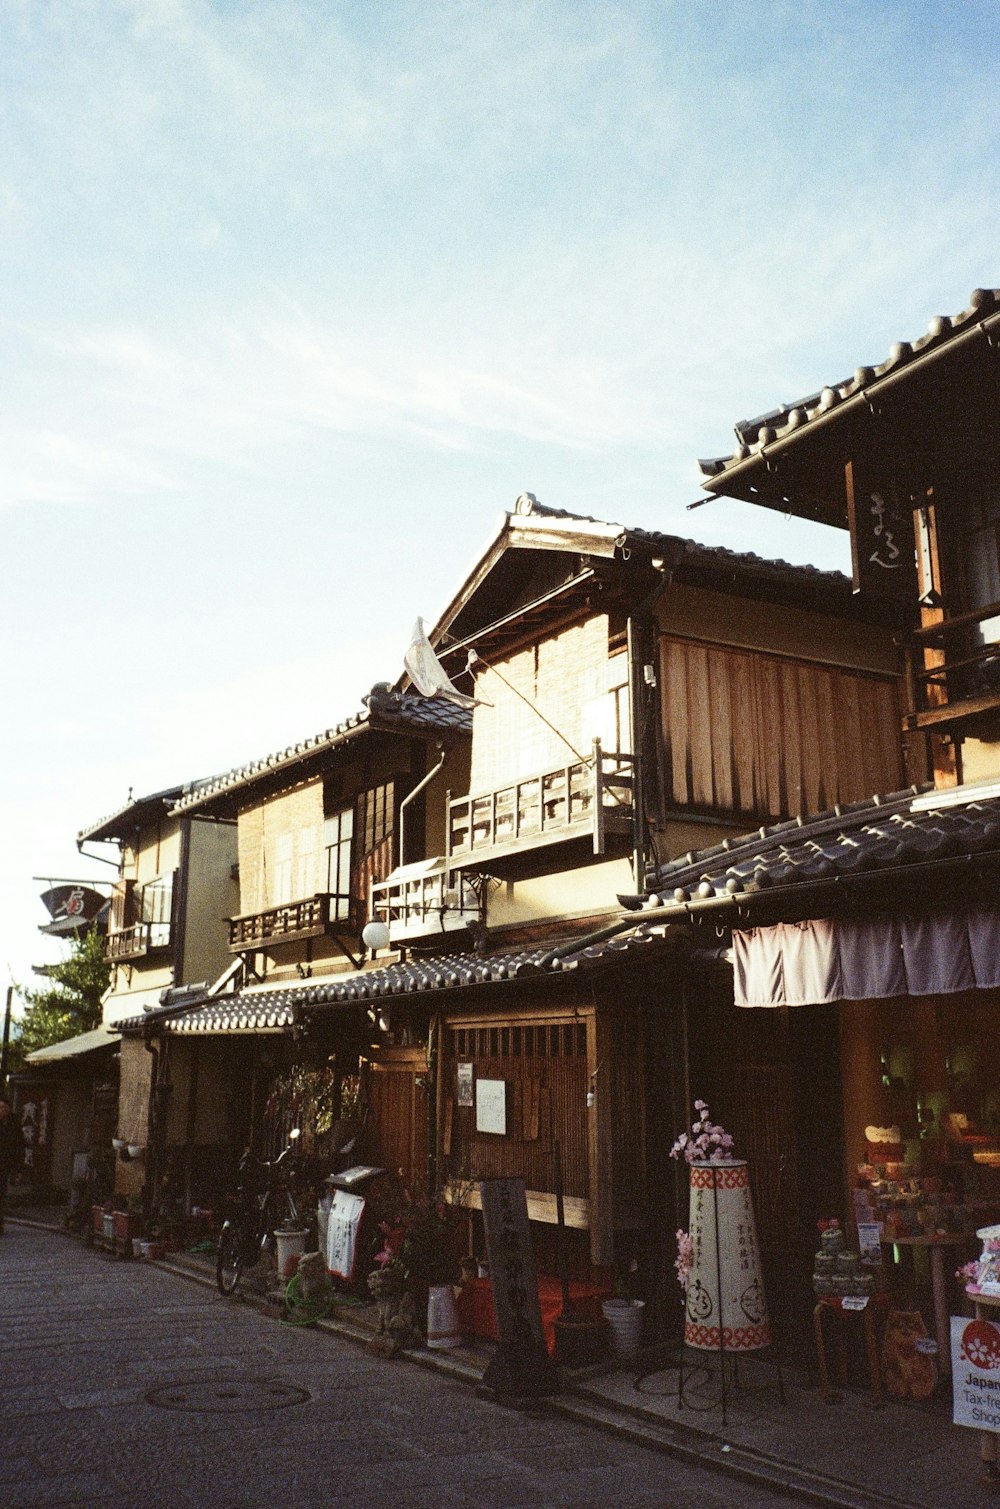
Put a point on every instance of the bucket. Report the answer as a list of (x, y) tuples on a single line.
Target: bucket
[(291, 1246), (624, 1318), (442, 1318)]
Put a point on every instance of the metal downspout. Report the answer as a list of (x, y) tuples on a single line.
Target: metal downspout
[(418, 788)]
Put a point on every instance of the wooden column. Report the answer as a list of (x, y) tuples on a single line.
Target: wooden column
[(600, 1132)]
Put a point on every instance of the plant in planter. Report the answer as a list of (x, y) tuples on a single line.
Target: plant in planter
[(706, 1142), (419, 1259)]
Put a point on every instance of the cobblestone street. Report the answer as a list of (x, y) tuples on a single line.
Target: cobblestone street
[(123, 1386)]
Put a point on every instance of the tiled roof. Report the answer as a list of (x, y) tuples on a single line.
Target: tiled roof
[(872, 841), (132, 813), (386, 709), (754, 435), (278, 1007), (682, 553)]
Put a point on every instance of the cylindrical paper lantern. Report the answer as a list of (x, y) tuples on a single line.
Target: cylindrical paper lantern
[(725, 1307)]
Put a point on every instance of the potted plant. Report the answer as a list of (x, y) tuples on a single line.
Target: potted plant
[(419, 1251)]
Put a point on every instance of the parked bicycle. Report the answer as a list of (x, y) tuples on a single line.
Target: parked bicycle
[(264, 1201)]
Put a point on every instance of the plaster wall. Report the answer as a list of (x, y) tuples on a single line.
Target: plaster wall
[(213, 895), (747, 624)]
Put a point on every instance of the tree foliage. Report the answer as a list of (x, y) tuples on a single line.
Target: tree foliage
[(68, 1003)]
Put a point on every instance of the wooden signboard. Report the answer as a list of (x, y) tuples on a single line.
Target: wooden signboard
[(521, 1363), (883, 548)]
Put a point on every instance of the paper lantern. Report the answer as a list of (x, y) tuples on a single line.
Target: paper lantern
[(725, 1307)]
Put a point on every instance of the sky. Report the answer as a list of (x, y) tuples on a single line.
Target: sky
[(297, 297)]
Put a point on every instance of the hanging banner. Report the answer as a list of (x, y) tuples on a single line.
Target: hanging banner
[(883, 546), (975, 1373)]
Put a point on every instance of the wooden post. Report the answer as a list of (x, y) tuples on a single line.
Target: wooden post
[(4, 1052)]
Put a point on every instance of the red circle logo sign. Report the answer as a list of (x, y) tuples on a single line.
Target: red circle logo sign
[(981, 1345)]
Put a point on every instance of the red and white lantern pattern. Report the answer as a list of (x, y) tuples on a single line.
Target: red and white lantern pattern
[(725, 1294)]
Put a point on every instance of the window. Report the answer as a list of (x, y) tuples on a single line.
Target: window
[(156, 901), (375, 816), (338, 834)]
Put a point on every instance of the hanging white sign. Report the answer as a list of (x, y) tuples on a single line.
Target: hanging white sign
[(491, 1106)]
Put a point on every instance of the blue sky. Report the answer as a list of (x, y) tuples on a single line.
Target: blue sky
[(299, 296)]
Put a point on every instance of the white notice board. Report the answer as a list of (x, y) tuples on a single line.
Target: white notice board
[(491, 1106)]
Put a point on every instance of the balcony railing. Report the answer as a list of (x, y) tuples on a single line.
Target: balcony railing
[(592, 797), (424, 900), (135, 941), (312, 917), (953, 670)]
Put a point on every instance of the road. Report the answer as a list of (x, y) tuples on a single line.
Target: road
[(122, 1386)]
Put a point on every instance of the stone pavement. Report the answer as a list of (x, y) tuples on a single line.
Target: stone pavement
[(846, 1454), (124, 1385)]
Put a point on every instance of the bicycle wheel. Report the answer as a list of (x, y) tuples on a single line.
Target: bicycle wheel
[(229, 1258)]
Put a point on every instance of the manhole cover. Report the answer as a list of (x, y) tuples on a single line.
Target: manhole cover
[(226, 1395)]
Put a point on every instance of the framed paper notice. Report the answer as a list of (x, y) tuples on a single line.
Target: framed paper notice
[(870, 1241), (464, 1096), (491, 1106)]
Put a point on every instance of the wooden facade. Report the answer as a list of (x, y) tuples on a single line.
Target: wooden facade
[(769, 737)]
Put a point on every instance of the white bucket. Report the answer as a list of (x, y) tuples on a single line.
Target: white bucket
[(442, 1318), (291, 1245), (624, 1318)]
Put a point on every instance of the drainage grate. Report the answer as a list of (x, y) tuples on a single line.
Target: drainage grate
[(226, 1395)]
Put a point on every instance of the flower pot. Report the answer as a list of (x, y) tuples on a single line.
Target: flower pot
[(625, 1318), (291, 1245), (442, 1318), (580, 1340)]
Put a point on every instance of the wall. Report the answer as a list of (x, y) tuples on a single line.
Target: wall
[(260, 830), (589, 890), (980, 760), (212, 896), (772, 736), (695, 613), (156, 853), (564, 676)]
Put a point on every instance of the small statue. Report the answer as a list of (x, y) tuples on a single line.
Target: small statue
[(397, 1322)]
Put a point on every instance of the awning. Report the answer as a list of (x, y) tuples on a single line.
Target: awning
[(74, 1047)]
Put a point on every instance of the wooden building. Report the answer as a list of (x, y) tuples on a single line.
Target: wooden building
[(880, 920), (165, 928), (637, 695)]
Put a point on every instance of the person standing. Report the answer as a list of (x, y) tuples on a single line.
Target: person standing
[(11, 1148)]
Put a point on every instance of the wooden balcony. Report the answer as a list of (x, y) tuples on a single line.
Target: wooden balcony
[(952, 677), (293, 921), (585, 799), (136, 941), (424, 900)]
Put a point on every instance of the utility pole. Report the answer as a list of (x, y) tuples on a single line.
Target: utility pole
[(6, 1038)]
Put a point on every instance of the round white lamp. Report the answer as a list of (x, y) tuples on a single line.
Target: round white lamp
[(375, 935)]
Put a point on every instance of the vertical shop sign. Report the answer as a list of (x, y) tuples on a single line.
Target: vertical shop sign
[(512, 1265)]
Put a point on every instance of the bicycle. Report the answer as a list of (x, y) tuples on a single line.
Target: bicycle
[(249, 1233)]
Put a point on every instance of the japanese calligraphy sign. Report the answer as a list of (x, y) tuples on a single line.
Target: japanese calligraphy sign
[(883, 551), (512, 1264), (725, 1296)]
